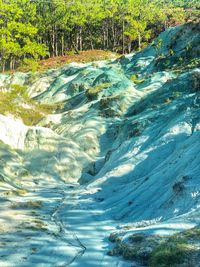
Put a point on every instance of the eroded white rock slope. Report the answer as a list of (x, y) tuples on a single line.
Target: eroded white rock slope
[(119, 151)]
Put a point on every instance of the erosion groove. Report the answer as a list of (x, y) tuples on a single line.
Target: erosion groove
[(64, 232)]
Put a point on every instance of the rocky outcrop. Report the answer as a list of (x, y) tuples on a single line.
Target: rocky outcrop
[(128, 130)]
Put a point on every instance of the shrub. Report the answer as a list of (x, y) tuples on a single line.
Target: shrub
[(126, 251), (29, 64), (193, 233), (169, 253), (114, 238), (137, 238), (18, 90)]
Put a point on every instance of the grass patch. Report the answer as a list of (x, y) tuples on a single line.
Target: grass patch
[(193, 233), (171, 252), (15, 101), (17, 192), (71, 56), (34, 225), (138, 247), (134, 78), (27, 205), (93, 92)]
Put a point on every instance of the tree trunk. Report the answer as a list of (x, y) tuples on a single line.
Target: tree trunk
[(123, 41), (77, 41), (107, 37), (129, 46), (75, 47), (165, 25), (3, 65), (139, 41), (104, 36), (62, 43), (11, 63), (113, 36), (80, 39), (56, 42), (91, 39), (91, 43), (53, 41)]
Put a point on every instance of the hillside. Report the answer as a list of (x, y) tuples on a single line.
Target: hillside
[(100, 162)]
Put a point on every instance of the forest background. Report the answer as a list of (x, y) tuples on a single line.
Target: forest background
[(31, 30)]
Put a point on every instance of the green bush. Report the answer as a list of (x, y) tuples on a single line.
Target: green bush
[(29, 64), (169, 253)]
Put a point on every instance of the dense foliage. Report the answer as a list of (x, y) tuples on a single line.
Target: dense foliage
[(34, 29)]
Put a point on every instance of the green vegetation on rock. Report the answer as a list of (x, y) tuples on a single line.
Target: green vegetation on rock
[(157, 251), (92, 92), (169, 253), (15, 101), (135, 79)]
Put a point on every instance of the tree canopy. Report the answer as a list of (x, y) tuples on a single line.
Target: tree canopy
[(34, 29)]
